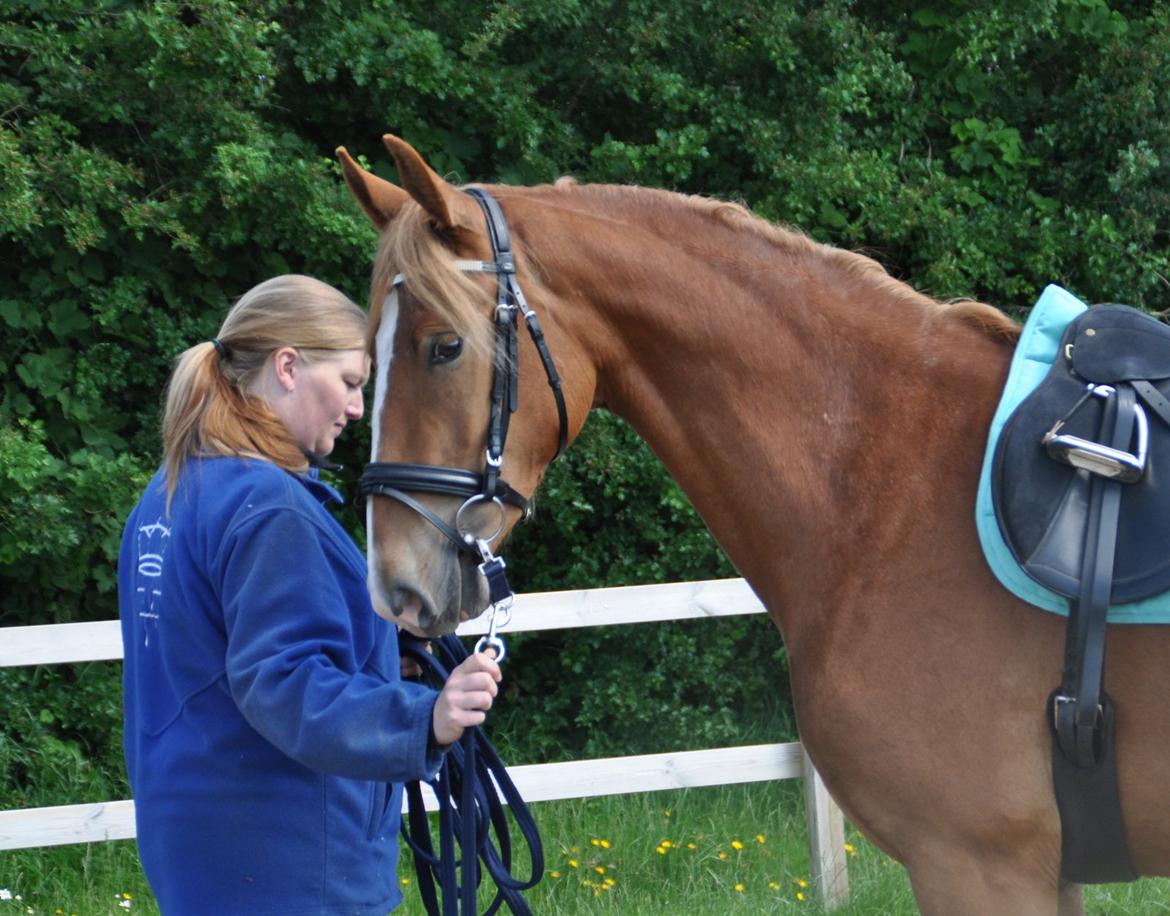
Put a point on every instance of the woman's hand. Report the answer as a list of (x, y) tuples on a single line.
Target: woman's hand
[(466, 697)]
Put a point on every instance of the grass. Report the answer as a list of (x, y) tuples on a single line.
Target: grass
[(91, 879), (717, 851)]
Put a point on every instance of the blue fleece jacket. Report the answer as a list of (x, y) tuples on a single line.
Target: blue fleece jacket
[(267, 727)]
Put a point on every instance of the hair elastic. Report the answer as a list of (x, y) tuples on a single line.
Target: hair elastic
[(219, 348)]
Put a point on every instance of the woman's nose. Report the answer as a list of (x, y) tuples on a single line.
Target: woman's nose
[(356, 407)]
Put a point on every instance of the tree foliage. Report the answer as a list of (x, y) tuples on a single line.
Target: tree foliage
[(158, 158)]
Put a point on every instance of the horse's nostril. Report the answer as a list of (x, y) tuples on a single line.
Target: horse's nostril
[(409, 605), (413, 604), (405, 601)]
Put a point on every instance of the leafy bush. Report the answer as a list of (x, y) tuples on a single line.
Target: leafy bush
[(61, 523), (60, 735)]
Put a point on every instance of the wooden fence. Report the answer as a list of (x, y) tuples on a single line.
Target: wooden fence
[(114, 820)]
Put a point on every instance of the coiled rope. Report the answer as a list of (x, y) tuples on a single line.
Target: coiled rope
[(472, 788)]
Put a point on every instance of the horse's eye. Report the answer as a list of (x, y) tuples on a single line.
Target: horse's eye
[(446, 350)]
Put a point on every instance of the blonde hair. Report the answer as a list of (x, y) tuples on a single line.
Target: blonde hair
[(210, 405)]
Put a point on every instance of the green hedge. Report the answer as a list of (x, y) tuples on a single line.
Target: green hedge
[(158, 158)]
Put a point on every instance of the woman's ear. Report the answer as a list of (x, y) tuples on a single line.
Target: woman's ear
[(285, 364)]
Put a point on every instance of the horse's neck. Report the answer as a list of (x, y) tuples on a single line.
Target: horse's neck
[(805, 424)]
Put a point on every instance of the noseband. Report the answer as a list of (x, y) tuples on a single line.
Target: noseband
[(396, 479)]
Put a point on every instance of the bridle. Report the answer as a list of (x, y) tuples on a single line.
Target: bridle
[(464, 787), (398, 479)]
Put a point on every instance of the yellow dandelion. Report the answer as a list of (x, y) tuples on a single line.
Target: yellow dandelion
[(661, 850), (739, 888), (723, 855), (799, 895), (554, 874), (691, 846), (773, 885), (800, 882), (736, 844), (572, 863), (126, 896), (405, 882), (600, 869), (666, 844), (849, 849), (595, 842), (605, 844), (609, 882), (760, 838)]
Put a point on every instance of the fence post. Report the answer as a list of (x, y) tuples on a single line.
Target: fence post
[(826, 839)]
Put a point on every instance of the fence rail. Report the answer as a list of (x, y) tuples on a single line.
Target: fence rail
[(114, 820)]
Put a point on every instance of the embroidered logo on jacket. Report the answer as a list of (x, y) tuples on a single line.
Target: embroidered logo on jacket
[(153, 541)]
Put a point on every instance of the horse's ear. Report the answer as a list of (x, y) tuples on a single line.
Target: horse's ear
[(379, 198), (450, 210)]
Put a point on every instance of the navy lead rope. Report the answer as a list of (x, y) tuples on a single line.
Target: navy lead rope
[(470, 809)]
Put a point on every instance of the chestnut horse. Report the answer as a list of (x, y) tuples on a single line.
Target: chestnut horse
[(828, 423)]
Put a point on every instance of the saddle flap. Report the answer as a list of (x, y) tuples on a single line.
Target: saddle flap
[(1116, 343)]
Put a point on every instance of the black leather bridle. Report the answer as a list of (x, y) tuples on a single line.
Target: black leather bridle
[(397, 479), (466, 792)]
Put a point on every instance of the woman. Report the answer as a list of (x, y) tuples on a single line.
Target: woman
[(268, 729)]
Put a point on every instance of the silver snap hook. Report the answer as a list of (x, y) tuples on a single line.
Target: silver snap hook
[(494, 643)]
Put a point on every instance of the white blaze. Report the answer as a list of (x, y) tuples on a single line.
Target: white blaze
[(384, 353)]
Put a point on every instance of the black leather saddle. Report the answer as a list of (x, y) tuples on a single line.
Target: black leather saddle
[(1042, 504), (1079, 479)]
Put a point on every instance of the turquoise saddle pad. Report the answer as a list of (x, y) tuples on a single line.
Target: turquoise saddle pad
[(1033, 358)]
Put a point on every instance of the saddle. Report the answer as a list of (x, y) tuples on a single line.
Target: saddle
[(1079, 478)]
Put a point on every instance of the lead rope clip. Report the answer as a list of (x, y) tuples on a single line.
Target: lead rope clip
[(501, 597)]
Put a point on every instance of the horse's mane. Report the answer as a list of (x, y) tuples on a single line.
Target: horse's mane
[(409, 247), (796, 244), (987, 318)]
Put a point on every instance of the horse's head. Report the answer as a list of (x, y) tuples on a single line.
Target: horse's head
[(452, 468)]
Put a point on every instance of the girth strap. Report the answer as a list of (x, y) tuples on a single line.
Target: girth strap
[(1084, 769)]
